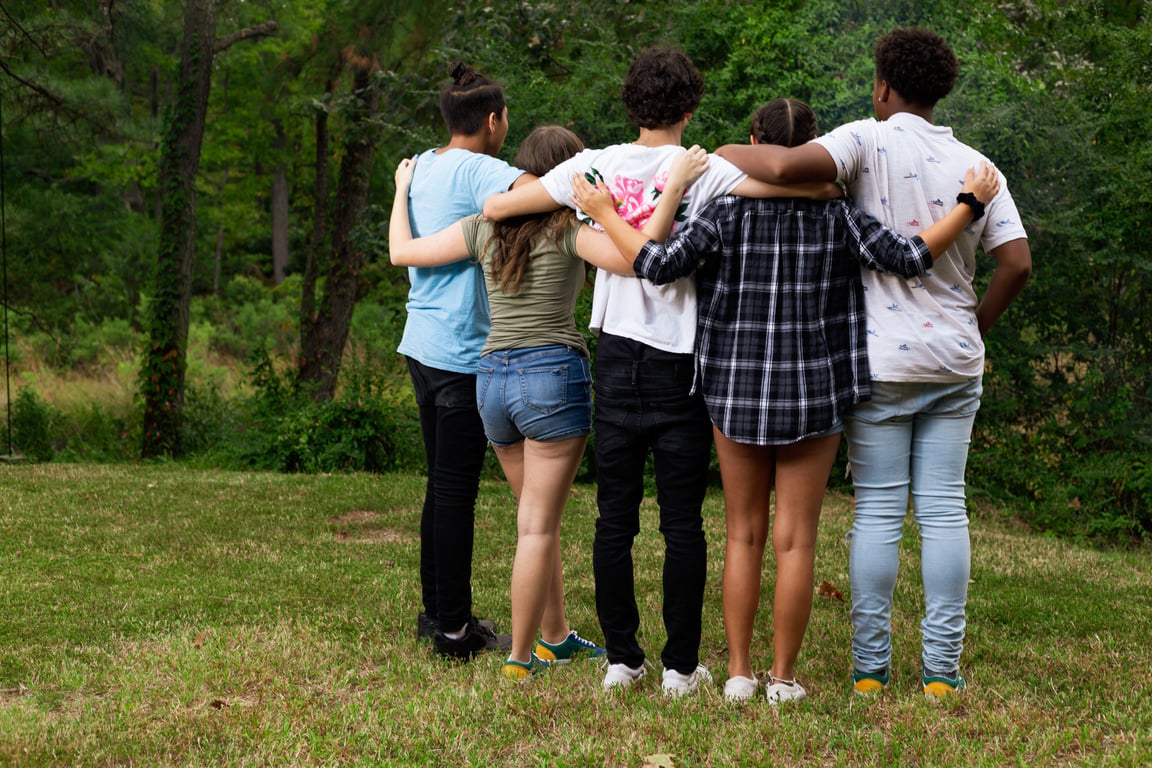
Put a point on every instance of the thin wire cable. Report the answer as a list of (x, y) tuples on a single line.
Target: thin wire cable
[(4, 251)]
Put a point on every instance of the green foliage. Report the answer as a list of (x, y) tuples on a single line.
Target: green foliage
[(31, 425), (369, 426), (91, 431), (1055, 93)]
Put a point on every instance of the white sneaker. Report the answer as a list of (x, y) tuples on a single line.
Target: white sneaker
[(740, 689), (784, 690), (622, 675), (678, 684)]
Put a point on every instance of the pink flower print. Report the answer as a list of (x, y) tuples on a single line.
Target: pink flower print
[(630, 203), (660, 182)]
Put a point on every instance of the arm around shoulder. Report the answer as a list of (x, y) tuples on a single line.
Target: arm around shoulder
[(781, 165), (521, 200)]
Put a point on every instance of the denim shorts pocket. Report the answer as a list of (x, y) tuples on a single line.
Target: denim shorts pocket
[(484, 376), (544, 389)]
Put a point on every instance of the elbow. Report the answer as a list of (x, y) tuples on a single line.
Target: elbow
[(493, 210)]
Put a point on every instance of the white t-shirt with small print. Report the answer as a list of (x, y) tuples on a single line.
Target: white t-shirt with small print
[(907, 172)]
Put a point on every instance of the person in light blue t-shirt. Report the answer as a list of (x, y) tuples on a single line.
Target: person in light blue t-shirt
[(446, 327)]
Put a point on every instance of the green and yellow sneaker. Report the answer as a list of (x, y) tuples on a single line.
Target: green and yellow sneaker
[(569, 648), (869, 683), (520, 670), (940, 686)]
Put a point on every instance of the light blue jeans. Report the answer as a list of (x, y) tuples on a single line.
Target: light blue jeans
[(911, 437)]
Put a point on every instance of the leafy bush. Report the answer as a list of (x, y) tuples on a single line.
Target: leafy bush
[(32, 422), (371, 424)]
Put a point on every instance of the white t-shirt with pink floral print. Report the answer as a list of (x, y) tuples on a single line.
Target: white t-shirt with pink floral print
[(661, 316)]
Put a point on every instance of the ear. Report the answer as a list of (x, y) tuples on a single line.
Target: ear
[(883, 91), (752, 139)]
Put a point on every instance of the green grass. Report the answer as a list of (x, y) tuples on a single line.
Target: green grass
[(159, 615)]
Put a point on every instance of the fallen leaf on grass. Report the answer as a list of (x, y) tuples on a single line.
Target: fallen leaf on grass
[(661, 760), (199, 641), (830, 592)]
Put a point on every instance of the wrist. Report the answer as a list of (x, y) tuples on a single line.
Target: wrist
[(972, 202)]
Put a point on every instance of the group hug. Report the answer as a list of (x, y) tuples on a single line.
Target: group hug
[(766, 299)]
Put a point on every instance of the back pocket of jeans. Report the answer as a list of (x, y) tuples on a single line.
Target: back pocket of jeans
[(544, 389), (484, 376)]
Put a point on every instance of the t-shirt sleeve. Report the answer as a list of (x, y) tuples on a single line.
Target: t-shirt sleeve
[(882, 249), (1001, 220), (558, 181), (488, 176), (720, 179), (475, 234), (848, 145)]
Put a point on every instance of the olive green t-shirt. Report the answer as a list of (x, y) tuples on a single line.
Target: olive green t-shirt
[(540, 313)]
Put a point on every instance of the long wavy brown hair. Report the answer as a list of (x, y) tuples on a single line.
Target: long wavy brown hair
[(541, 151)]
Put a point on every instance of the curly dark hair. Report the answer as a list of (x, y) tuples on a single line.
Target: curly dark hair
[(467, 101), (787, 122), (661, 86), (917, 64)]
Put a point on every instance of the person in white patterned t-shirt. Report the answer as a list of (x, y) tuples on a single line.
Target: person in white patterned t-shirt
[(925, 348)]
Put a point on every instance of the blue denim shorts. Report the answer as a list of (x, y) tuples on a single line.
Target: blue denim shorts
[(541, 393)]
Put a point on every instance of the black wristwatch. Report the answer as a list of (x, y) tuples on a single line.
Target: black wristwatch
[(970, 200)]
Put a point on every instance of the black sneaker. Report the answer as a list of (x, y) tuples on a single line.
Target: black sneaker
[(425, 626), (476, 639)]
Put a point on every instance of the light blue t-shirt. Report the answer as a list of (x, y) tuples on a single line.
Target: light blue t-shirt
[(447, 306)]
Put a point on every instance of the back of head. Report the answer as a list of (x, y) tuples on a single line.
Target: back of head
[(787, 122), (545, 148), (917, 64), (467, 101), (661, 86), (515, 239)]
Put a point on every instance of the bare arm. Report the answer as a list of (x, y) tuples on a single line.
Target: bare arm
[(600, 249), (984, 184), (685, 169), (597, 202), (811, 190), (522, 199), (444, 247), (781, 165), (1013, 268)]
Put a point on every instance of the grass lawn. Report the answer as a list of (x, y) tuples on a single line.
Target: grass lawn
[(159, 615)]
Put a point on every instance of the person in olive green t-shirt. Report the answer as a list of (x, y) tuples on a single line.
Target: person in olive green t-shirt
[(533, 385)]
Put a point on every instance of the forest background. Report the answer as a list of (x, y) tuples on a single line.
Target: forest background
[(195, 202)]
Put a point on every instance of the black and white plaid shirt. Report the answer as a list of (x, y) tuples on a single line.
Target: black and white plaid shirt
[(780, 342)]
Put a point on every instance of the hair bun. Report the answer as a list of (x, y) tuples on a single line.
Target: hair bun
[(462, 74)]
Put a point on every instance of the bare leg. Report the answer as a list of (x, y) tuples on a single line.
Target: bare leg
[(801, 477), (537, 589), (747, 473)]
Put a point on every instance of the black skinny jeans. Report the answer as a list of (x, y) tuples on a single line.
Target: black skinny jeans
[(454, 446), (642, 405)]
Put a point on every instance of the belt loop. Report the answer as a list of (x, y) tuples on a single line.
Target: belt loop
[(635, 372)]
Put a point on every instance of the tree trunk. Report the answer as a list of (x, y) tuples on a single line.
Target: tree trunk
[(322, 342), (279, 225), (319, 233), (162, 376), (162, 373)]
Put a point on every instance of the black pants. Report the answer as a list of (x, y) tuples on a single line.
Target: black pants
[(454, 446), (643, 404)]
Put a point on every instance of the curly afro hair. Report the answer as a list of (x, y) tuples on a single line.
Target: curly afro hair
[(917, 64), (662, 85)]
